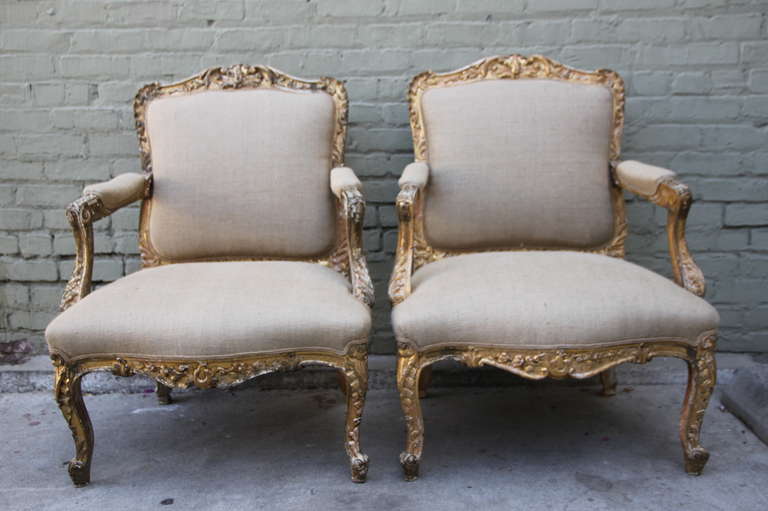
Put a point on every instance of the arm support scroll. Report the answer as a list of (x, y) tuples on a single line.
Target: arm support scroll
[(412, 182), (346, 187), (661, 187), (98, 201)]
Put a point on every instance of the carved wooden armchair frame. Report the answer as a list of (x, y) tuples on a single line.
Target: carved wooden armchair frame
[(413, 251), (346, 257)]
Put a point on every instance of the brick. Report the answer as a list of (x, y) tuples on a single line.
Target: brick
[(20, 219), (87, 169), (8, 244), (35, 244), (118, 41), (26, 67), (649, 83), (447, 35), (30, 40), (14, 295), (546, 6), (113, 145), (22, 170), (733, 138), (7, 195), (285, 11), (506, 7), (263, 39), (47, 94), (754, 52), (206, 11), (93, 66), (88, 119), (13, 94), (142, 13), (355, 9), (746, 215), (28, 271), (691, 83), (45, 297), (758, 80), (47, 195), (50, 145), (426, 7), (726, 27), (633, 5), (734, 189)]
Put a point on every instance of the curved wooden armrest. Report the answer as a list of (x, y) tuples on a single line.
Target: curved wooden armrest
[(346, 187), (675, 196), (97, 201)]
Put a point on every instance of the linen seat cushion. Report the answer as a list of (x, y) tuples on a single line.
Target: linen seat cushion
[(518, 163), (546, 300), (213, 309)]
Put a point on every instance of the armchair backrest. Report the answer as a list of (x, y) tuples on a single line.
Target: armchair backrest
[(240, 159), (519, 150)]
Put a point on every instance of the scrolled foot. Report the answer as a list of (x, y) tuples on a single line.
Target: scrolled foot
[(359, 468), (410, 465), (695, 461), (163, 394), (80, 472), (608, 381)]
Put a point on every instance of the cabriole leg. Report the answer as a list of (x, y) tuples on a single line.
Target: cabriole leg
[(356, 379), (608, 380), (70, 399), (163, 394), (408, 384), (702, 373), (424, 380)]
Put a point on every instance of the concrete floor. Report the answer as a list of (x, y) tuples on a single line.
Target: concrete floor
[(543, 447)]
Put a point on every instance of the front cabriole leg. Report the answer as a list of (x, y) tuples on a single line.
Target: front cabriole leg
[(702, 374), (408, 370), (356, 379), (70, 399)]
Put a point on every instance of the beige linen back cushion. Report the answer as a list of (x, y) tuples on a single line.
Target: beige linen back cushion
[(241, 173), (518, 163)]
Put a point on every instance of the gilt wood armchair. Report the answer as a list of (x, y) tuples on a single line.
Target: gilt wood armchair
[(511, 240), (250, 239)]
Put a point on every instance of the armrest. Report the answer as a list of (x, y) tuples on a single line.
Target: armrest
[(641, 178), (98, 201), (413, 180), (661, 187), (119, 191), (346, 187)]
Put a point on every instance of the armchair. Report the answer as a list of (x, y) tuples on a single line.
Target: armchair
[(251, 247), (511, 240)]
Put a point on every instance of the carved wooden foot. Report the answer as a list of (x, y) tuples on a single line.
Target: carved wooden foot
[(608, 380), (702, 373), (356, 379), (408, 370), (163, 394), (70, 399)]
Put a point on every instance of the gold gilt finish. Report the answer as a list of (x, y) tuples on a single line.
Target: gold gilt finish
[(413, 251), (346, 257)]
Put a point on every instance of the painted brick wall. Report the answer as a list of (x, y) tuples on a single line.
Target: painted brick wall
[(697, 74)]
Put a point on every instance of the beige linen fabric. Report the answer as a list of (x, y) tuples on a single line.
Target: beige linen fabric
[(118, 191), (640, 177), (213, 309), (518, 163), (343, 177), (546, 300), (241, 173), (416, 173)]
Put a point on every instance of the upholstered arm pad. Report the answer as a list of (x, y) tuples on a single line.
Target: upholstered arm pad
[(641, 178), (416, 174), (119, 191), (344, 177)]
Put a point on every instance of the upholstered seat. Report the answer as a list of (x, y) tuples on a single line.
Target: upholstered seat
[(546, 300), (214, 310)]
